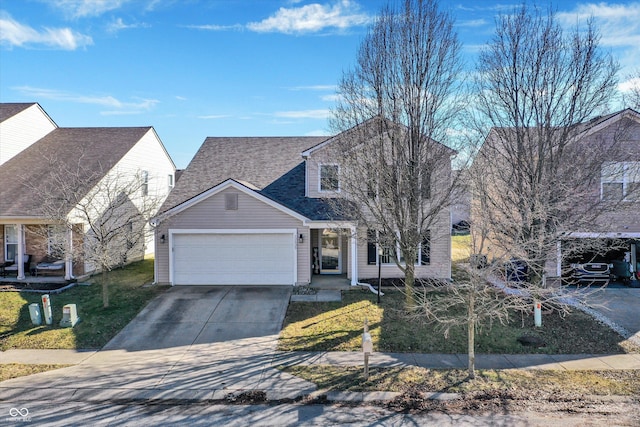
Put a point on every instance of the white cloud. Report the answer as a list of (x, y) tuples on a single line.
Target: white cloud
[(84, 8), (116, 106), (619, 24), (313, 18), (119, 25), (303, 114), (632, 84), (13, 33), (472, 23), (331, 98), (214, 27)]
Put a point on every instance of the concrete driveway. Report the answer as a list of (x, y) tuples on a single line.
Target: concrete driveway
[(193, 315), (190, 342), (621, 305)]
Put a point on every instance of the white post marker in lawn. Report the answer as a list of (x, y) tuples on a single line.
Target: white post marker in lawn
[(367, 348), (537, 314), (46, 305)]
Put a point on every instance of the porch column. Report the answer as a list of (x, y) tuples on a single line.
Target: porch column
[(559, 258), (353, 239), (20, 257), (68, 265)]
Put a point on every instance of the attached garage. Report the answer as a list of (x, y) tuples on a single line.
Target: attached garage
[(233, 257)]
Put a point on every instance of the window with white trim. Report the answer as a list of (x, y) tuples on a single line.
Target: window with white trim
[(620, 181), (391, 251), (170, 182), (145, 183), (329, 180), (10, 242)]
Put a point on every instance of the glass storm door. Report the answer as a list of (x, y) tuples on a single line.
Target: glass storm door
[(330, 262)]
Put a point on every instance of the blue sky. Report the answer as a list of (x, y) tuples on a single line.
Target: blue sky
[(198, 68)]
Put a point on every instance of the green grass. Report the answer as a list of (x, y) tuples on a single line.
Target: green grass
[(460, 248), (98, 325), (15, 370), (620, 383), (338, 326)]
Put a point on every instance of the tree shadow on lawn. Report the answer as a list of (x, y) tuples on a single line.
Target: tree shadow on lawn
[(339, 327)]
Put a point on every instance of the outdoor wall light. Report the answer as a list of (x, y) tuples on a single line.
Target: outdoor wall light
[(301, 238), (162, 239)]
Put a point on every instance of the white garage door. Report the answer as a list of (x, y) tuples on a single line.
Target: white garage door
[(233, 259)]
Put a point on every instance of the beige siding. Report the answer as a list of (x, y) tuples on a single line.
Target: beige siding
[(22, 130), (313, 175), (252, 214), (439, 267)]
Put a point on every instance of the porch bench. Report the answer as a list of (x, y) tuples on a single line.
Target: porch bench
[(50, 267)]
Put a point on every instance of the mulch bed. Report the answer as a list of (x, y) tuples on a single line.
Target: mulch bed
[(34, 287)]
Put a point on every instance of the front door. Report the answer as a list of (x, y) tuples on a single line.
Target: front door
[(330, 259)]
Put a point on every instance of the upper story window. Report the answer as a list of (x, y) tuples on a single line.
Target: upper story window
[(145, 183), (620, 181), (329, 180), (170, 181)]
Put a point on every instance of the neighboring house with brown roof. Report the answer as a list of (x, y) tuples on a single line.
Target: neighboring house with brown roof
[(256, 211), (34, 179), (602, 181)]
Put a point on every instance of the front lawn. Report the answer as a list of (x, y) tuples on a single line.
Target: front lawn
[(98, 325), (338, 326), (516, 381)]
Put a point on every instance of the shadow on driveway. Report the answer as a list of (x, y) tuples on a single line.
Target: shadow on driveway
[(193, 315)]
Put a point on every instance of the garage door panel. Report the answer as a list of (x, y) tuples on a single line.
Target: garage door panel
[(227, 259)]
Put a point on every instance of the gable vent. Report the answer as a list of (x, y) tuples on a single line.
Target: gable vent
[(231, 201)]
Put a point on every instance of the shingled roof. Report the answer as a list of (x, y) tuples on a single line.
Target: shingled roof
[(254, 161), (10, 109), (99, 149)]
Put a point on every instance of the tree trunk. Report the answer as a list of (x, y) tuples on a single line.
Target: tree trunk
[(471, 335), (409, 283), (105, 288)]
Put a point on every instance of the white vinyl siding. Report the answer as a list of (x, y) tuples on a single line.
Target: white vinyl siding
[(20, 131)]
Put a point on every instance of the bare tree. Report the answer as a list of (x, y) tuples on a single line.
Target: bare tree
[(110, 210), (397, 104), (633, 97), (538, 88)]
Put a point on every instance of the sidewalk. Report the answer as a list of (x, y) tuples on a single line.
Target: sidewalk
[(567, 362), (200, 374)]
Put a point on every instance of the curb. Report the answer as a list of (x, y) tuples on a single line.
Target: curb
[(243, 396)]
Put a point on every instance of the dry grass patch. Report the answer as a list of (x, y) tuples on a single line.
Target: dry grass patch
[(15, 370), (603, 383)]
